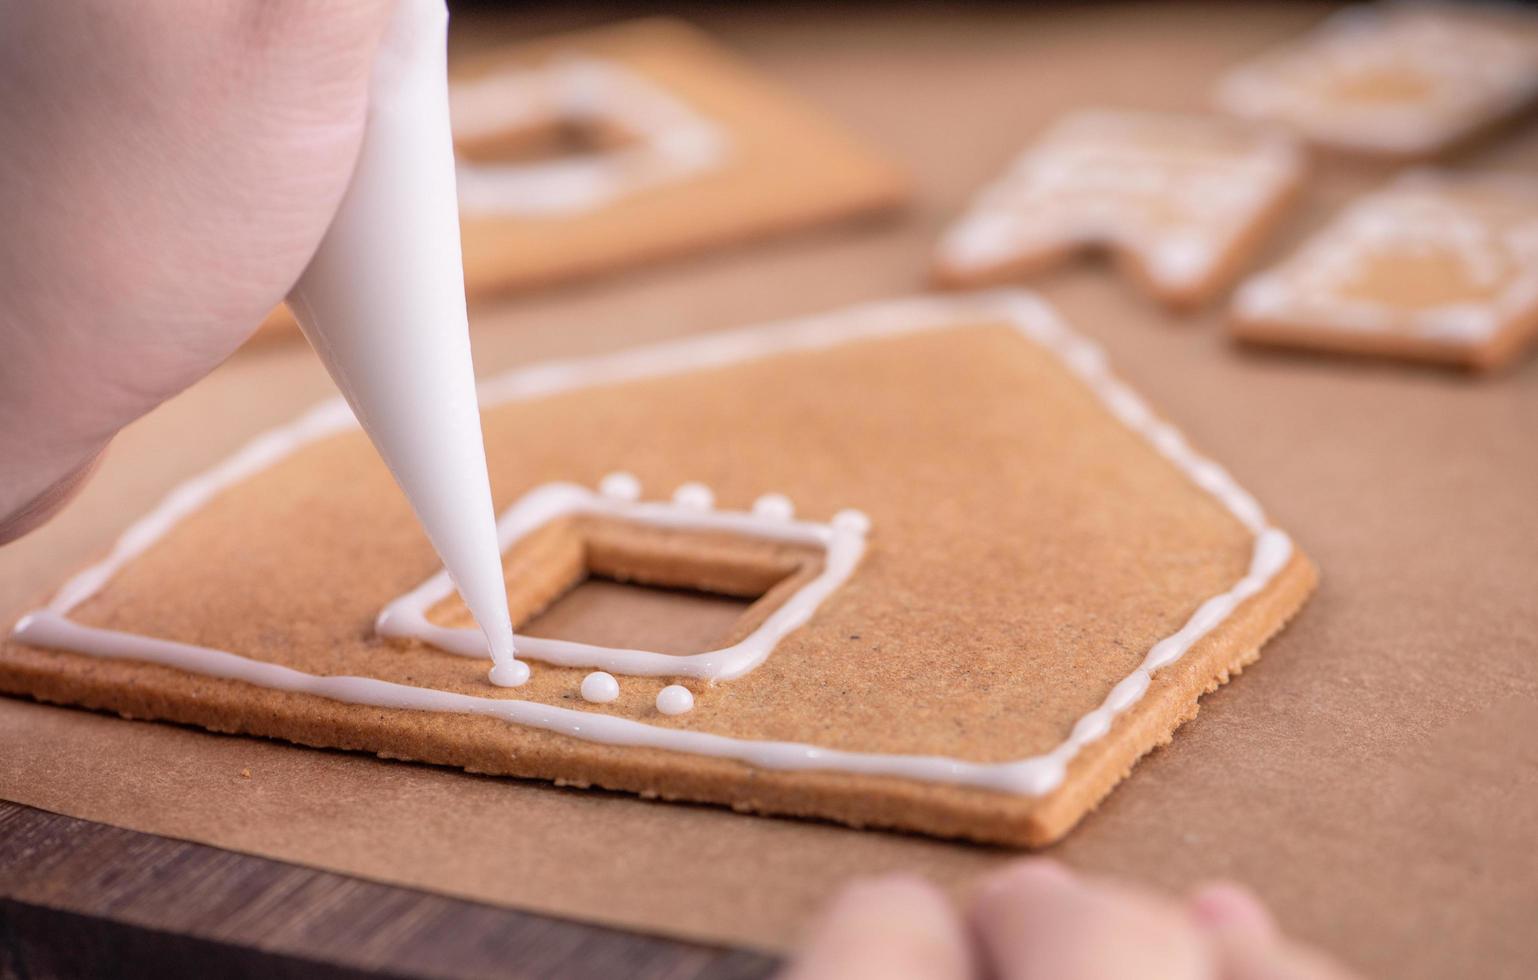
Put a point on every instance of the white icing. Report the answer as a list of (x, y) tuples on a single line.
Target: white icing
[(1485, 223), (509, 673), (1176, 191), (620, 486), (672, 142), (675, 699), (694, 496), (842, 545), (599, 687), (1034, 775), (774, 507), (852, 521), (383, 303), (1471, 63)]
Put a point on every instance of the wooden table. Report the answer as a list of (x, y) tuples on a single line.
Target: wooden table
[(84, 899)]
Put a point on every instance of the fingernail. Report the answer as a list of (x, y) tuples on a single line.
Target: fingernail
[(1228, 907), (1028, 873)]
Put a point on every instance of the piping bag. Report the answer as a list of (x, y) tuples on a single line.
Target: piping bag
[(383, 304)]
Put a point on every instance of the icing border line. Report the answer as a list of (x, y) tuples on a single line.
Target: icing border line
[(841, 542), (1030, 776)]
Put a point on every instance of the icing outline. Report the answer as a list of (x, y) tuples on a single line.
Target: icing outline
[(842, 543), (673, 142), (1032, 776)]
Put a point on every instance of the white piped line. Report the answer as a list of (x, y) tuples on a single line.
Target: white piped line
[(1031, 776), (405, 617)]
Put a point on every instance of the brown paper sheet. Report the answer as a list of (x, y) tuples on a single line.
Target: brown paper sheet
[(1373, 777)]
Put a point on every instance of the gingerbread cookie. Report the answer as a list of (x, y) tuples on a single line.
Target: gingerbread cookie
[(589, 152), (1407, 79), (663, 143), (1436, 266), (1180, 201), (947, 574)]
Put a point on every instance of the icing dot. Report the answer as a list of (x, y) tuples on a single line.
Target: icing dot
[(675, 699), (695, 496), (852, 520), (775, 507), (620, 486), (514, 673), (600, 687)]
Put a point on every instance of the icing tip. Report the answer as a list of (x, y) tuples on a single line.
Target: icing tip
[(513, 673), (850, 519)]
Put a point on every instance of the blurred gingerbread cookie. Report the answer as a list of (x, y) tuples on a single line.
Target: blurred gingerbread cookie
[(1402, 79), (1436, 266), (1179, 201), (585, 153)]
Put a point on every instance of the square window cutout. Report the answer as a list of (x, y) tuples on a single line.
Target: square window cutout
[(678, 588), (571, 136)]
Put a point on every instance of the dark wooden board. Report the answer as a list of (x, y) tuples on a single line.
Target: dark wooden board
[(82, 899)]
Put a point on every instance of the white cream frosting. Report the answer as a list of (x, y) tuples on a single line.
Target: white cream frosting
[(842, 542), (599, 687), (1423, 213), (675, 699), (672, 141), (1032, 776), (1469, 63), (1177, 191)]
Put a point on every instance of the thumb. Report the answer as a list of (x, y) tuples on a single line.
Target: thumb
[(894, 928)]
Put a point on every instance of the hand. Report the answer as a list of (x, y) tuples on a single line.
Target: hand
[(169, 169), (1035, 920)]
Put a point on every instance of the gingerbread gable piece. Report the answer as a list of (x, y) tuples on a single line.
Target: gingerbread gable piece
[(970, 578)]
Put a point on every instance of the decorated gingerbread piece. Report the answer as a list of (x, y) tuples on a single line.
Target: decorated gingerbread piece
[(924, 564), (1435, 266), (1179, 201), (1406, 79)]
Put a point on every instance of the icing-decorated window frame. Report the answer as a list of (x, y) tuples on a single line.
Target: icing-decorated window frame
[(841, 543), (671, 141)]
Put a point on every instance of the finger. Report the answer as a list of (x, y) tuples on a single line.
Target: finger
[(1245, 941), (1038, 921), (895, 928), (1243, 958), (35, 512), (1231, 908)]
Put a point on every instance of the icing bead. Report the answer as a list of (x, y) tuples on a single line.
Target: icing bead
[(600, 687), (675, 699), (514, 673), (620, 486), (775, 507), (695, 496)]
